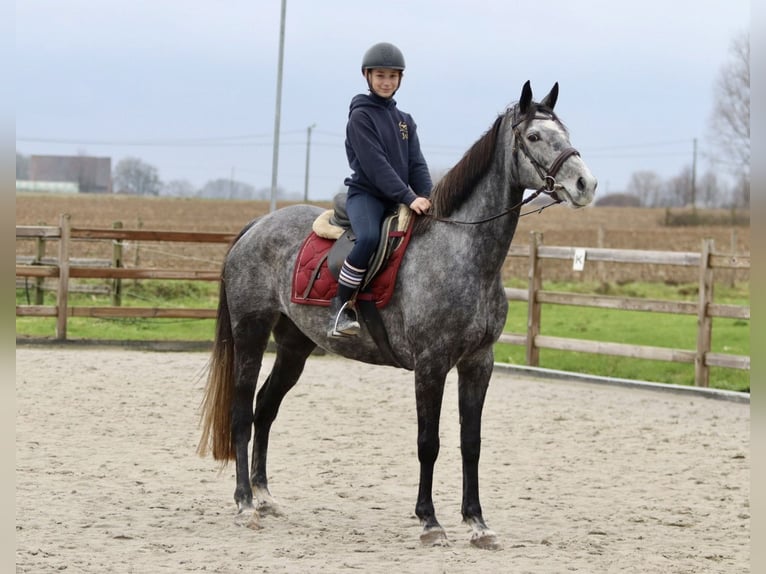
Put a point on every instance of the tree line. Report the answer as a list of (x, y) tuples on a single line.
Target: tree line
[(134, 176)]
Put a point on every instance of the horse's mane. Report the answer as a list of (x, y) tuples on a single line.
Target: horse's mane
[(455, 187), (458, 183)]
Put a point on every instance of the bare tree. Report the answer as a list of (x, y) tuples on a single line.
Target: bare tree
[(678, 190), (709, 191), (741, 191), (131, 175), (730, 122), (264, 193), (646, 186), (178, 188), (227, 189)]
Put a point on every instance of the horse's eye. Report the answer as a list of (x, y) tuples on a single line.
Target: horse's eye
[(533, 137)]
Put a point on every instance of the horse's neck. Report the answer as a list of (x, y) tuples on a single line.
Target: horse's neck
[(482, 246)]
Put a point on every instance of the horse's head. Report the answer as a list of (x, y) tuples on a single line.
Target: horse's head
[(545, 160)]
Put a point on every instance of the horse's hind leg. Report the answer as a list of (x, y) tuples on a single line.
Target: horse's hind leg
[(473, 381), (250, 340), (293, 348)]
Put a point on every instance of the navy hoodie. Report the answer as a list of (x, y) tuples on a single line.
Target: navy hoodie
[(383, 151)]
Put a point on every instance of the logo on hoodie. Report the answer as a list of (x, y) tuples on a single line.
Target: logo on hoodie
[(403, 130)]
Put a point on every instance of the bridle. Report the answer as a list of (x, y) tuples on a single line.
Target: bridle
[(547, 175)]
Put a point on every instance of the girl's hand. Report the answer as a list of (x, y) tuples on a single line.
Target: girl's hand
[(420, 205)]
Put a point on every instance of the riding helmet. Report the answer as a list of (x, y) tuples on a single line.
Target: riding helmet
[(383, 55)]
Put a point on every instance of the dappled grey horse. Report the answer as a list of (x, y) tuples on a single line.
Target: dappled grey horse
[(448, 308)]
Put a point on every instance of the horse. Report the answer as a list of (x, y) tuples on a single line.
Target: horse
[(448, 308)]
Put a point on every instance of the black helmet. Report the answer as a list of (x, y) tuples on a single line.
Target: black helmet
[(383, 55)]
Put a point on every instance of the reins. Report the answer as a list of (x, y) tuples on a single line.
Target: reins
[(548, 176), (503, 213)]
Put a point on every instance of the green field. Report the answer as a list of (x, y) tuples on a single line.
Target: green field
[(632, 327)]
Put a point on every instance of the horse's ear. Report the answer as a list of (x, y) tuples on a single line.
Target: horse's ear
[(526, 98), (549, 101)]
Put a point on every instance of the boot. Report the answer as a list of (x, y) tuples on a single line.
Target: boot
[(343, 320)]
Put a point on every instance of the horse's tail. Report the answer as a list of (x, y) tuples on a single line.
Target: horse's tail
[(219, 390)]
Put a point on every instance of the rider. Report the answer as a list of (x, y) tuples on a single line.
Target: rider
[(388, 168)]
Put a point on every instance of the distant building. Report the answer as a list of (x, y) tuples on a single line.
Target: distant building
[(91, 174), (47, 186)]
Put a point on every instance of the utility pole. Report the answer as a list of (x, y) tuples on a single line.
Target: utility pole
[(275, 160), (308, 155)]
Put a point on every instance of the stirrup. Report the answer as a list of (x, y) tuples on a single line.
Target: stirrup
[(351, 326)]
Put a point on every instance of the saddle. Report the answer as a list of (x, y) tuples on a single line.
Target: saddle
[(335, 225), (316, 272)]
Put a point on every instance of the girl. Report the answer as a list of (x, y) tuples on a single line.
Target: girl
[(388, 168)]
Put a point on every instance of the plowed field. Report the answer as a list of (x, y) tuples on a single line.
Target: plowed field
[(613, 227)]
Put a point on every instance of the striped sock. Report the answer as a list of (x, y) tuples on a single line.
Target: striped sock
[(351, 276)]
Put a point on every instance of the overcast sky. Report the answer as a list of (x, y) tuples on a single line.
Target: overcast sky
[(190, 86)]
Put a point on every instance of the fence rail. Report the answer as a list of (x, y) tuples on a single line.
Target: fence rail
[(707, 261)]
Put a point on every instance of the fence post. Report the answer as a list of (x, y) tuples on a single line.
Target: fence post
[(136, 246), (62, 293), (600, 243), (704, 320), (116, 263), (534, 308), (39, 281), (733, 243)]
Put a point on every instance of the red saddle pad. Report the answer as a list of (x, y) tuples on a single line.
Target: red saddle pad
[(313, 284)]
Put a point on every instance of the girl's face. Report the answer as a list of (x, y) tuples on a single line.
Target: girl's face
[(384, 81)]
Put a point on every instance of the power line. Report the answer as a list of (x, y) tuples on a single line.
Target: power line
[(587, 154), (642, 145), (163, 142)]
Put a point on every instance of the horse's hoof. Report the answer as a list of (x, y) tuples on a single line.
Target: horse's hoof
[(434, 537), (248, 517), (486, 540), (269, 509), (255, 522), (266, 504)]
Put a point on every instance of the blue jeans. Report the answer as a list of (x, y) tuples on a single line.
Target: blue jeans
[(366, 213)]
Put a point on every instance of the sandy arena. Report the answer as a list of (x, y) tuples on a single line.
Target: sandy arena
[(574, 477)]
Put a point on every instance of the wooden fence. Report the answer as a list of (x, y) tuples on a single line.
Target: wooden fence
[(707, 261)]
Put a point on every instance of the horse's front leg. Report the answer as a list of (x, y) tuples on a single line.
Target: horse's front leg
[(473, 381), (429, 390)]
